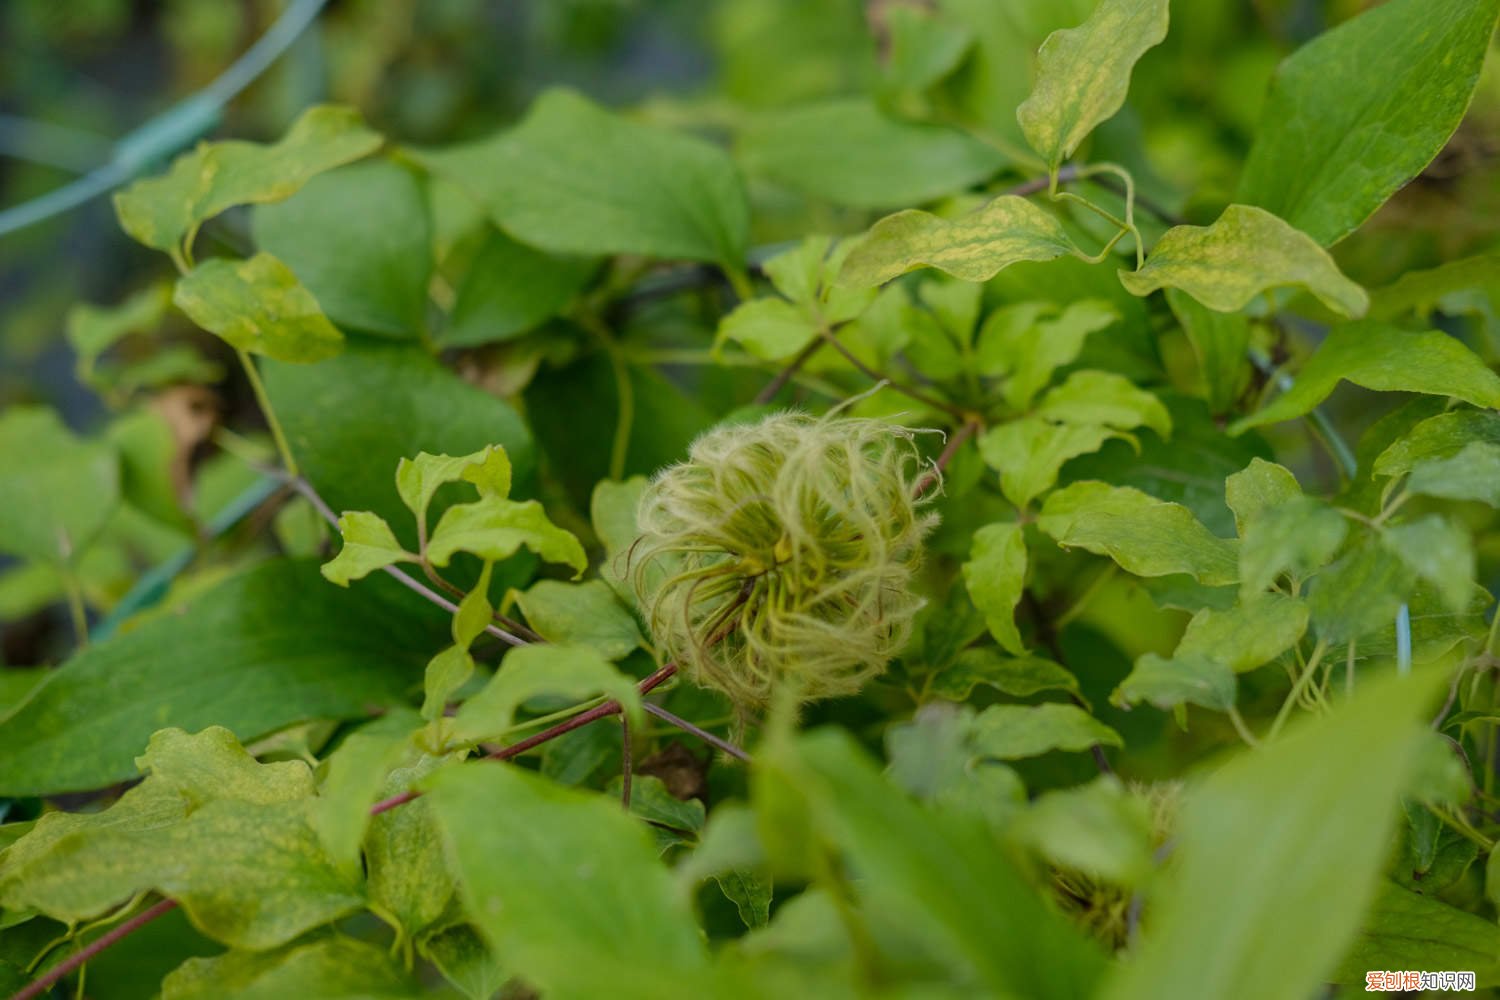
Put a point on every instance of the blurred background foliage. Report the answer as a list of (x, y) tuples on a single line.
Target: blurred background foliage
[(797, 89)]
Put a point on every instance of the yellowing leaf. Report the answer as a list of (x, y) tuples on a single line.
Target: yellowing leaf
[(1146, 536), (258, 306), (996, 575), (164, 212), (1388, 359), (369, 544), (211, 765), (1083, 74), (494, 528), (974, 247), (1245, 252)]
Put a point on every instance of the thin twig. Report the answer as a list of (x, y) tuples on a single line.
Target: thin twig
[(955, 441), (703, 734), (305, 488), (41, 984), (875, 376), (627, 764), (787, 373)]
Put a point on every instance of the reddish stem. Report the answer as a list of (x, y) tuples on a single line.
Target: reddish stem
[(44, 982), (954, 443)]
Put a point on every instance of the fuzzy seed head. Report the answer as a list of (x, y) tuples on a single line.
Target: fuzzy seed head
[(779, 557)]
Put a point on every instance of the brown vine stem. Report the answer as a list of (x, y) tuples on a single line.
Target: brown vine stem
[(787, 373), (41, 984), (874, 376), (702, 734), (955, 441), (305, 488)]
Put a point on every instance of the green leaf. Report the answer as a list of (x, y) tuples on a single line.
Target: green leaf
[(1146, 536), (511, 288), (369, 544), (1220, 344), (996, 576), (568, 672), (91, 330), (494, 528), (1253, 632), (771, 329), (612, 510), (56, 491), (1441, 436), (574, 178), (284, 645), (652, 802), (461, 955), (1028, 453), (1245, 252), (164, 212), (331, 968), (1020, 676), (446, 672), (1408, 930), (577, 869), (1185, 679), (1387, 359), (1010, 732), (409, 876), (260, 307), (360, 240), (943, 871), (1297, 537), (1083, 74), (418, 479), (974, 247), (355, 774), (1258, 488), (1423, 292), (1439, 551), (1016, 341), (240, 854), (1093, 397), (1278, 855), (1472, 474), (848, 152), (1359, 594), (351, 419), (1362, 109), (1100, 829), (587, 614)]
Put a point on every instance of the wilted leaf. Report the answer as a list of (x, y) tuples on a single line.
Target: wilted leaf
[(1083, 74), (974, 247), (1245, 252)]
